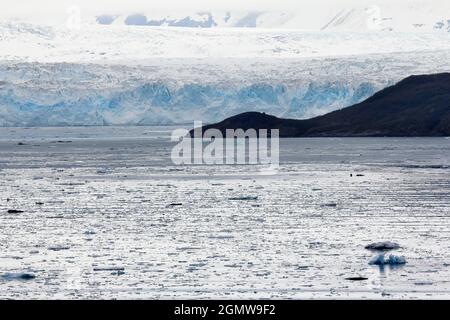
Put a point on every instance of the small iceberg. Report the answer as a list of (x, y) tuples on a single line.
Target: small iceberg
[(377, 260), (392, 260)]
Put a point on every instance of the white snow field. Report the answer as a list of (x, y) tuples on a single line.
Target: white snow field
[(139, 75), (96, 43)]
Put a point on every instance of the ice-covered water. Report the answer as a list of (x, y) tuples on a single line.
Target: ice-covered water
[(106, 215)]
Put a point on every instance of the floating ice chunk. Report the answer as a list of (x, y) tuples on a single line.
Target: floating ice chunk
[(383, 246), (377, 260), (392, 260)]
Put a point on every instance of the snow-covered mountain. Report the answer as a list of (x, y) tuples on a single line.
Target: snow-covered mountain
[(348, 15), (405, 15)]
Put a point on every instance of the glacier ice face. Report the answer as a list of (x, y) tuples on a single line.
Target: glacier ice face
[(121, 75), (157, 103), (168, 91)]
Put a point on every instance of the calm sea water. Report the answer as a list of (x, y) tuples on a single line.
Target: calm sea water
[(105, 214)]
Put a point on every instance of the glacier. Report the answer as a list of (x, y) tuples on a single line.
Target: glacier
[(128, 75), (180, 91), (69, 96)]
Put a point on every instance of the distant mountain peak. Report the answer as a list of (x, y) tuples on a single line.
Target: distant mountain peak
[(429, 16)]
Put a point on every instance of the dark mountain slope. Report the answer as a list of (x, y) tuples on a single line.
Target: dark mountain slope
[(416, 106)]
